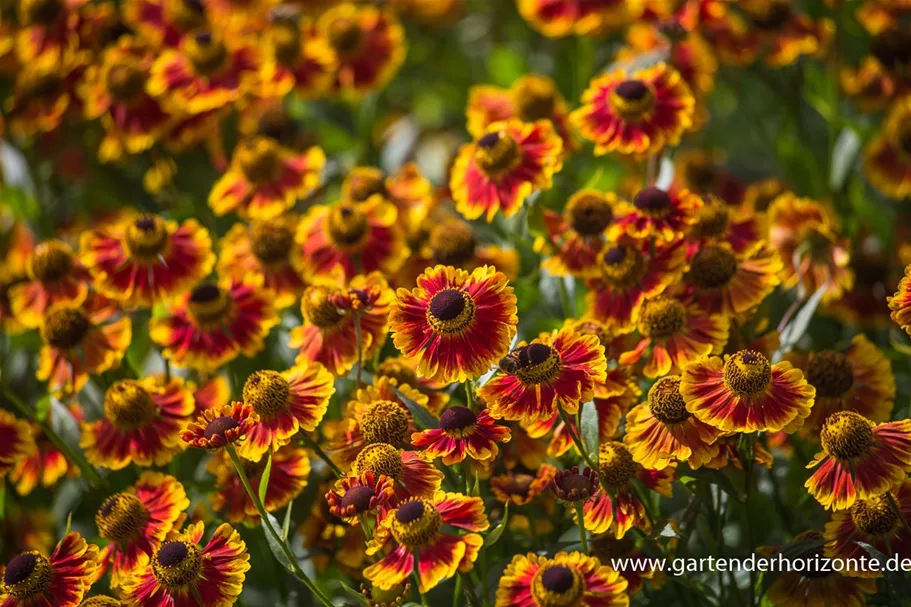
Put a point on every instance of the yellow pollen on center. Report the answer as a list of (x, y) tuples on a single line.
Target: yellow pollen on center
[(662, 317), (497, 153), (536, 363), (665, 401), (27, 577), (272, 240), (450, 311), (874, 516), (121, 517), (381, 458), (126, 82), (831, 373), (622, 267), (208, 55), (51, 261), (747, 373), (712, 267), (128, 405), (259, 159), (209, 306), (146, 237), (65, 326), (557, 585), (415, 523), (453, 243), (318, 308), (347, 225), (384, 421), (589, 213), (616, 465), (268, 392), (846, 435), (535, 98), (712, 220), (177, 564)]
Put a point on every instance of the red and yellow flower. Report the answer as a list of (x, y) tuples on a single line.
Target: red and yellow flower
[(40, 97), (81, 340), (503, 166), (286, 403), (558, 18), (414, 476), (333, 317), (887, 159), (64, 577), (639, 112), (43, 466), (570, 578), (164, 23), (16, 442), (215, 323), (136, 521), (454, 323), (300, 59), (419, 545), (860, 460), (900, 302), (579, 234), (369, 44), (140, 260), (661, 430), (403, 371), (362, 494), (265, 248), (556, 372), (54, 276), (655, 213), (461, 434), (181, 569), (870, 85), (718, 221), (729, 283), (783, 32), (408, 189), (142, 423), (746, 393), (219, 426), (266, 179), (341, 240), (520, 487)]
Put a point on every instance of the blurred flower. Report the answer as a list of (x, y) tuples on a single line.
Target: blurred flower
[(300, 58), (729, 283), (579, 234), (887, 159), (520, 487), (43, 467), (17, 442), (413, 475), (55, 276), (558, 18)]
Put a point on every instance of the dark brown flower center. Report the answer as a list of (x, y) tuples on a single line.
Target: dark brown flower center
[(41, 12), (173, 553), (409, 512), (847, 435), (18, 569), (259, 159), (662, 317), (874, 516), (535, 98), (358, 498), (665, 401), (453, 243), (616, 465), (208, 55), (774, 17), (209, 305), (747, 373), (712, 220), (537, 363), (556, 585), (622, 267), (632, 99), (286, 40), (128, 405), (219, 427), (416, 524), (347, 224), (457, 418), (364, 183), (557, 579), (346, 36), (653, 201), (831, 373), (65, 327), (632, 90), (51, 261), (892, 47), (451, 311), (126, 83), (271, 240), (268, 392), (589, 213), (497, 153), (177, 564), (712, 267)]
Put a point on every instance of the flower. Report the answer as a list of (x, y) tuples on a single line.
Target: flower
[(285, 402), (655, 213), (570, 578), (627, 275), (408, 189), (678, 334), (730, 283), (860, 460), (300, 58), (454, 323), (574, 486), (214, 323), (746, 393), (140, 260), (355, 495), (531, 97), (65, 577), (142, 423), (55, 276), (80, 340), (555, 372), (333, 317), (503, 166), (341, 240), (462, 433), (288, 476), (661, 430), (266, 179), (16, 442), (163, 23), (900, 303), (414, 476), (421, 546), (558, 18), (215, 571), (874, 522), (42, 466), (137, 520), (403, 371), (859, 379), (786, 33), (580, 233), (220, 426), (804, 233), (369, 43), (40, 97), (639, 112), (519, 487)]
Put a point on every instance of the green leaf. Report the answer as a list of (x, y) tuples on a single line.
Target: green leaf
[(422, 417), (716, 477), (792, 333), (63, 423), (590, 430), (505, 65), (22, 204), (360, 598), (264, 481), (286, 525), (497, 532), (43, 408), (274, 546), (844, 153)]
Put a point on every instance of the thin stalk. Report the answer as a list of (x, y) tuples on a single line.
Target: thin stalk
[(898, 512), (358, 341), (312, 444), (469, 590), (469, 394), (580, 520), (264, 517), (576, 440)]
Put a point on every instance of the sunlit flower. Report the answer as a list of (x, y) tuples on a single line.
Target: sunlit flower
[(887, 159), (455, 323), (900, 303), (17, 444), (141, 260), (221, 425), (414, 529), (717, 221), (43, 466), (137, 520), (639, 112), (49, 32), (503, 166), (343, 239), (688, 53), (628, 275), (288, 476), (181, 568), (333, 317), (730, 283), (357, 495), (461, 434), (579, 234), (408, 189), (214, 323), (403, 371), (804, 233), (570, 578), (54, 276), (15, 251), (655, 213), (414, 476), (870, 85), (661, 430), (784, 33), (40, 97), (369, 44), (81, 340), (31, 578), (286, 403), (555, 372), (675, 334), (746, 393), (530, 98), (558, 18), (142, 423), (265, 179), (860, 460), (164, 22), (300, 59)]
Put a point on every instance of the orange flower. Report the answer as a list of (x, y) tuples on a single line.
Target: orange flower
[(887, 159), (17, 442), (580, 233), (55, 276), (725, 282), (366, 493), (300, 59)]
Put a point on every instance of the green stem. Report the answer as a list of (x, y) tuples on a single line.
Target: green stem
[(898, 512), (576, 440), (74, 457), (580, 519), (417, 581), (469, 394), (312, 444), (358, 340), (569, 307), (267, 524), (469, 590)]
